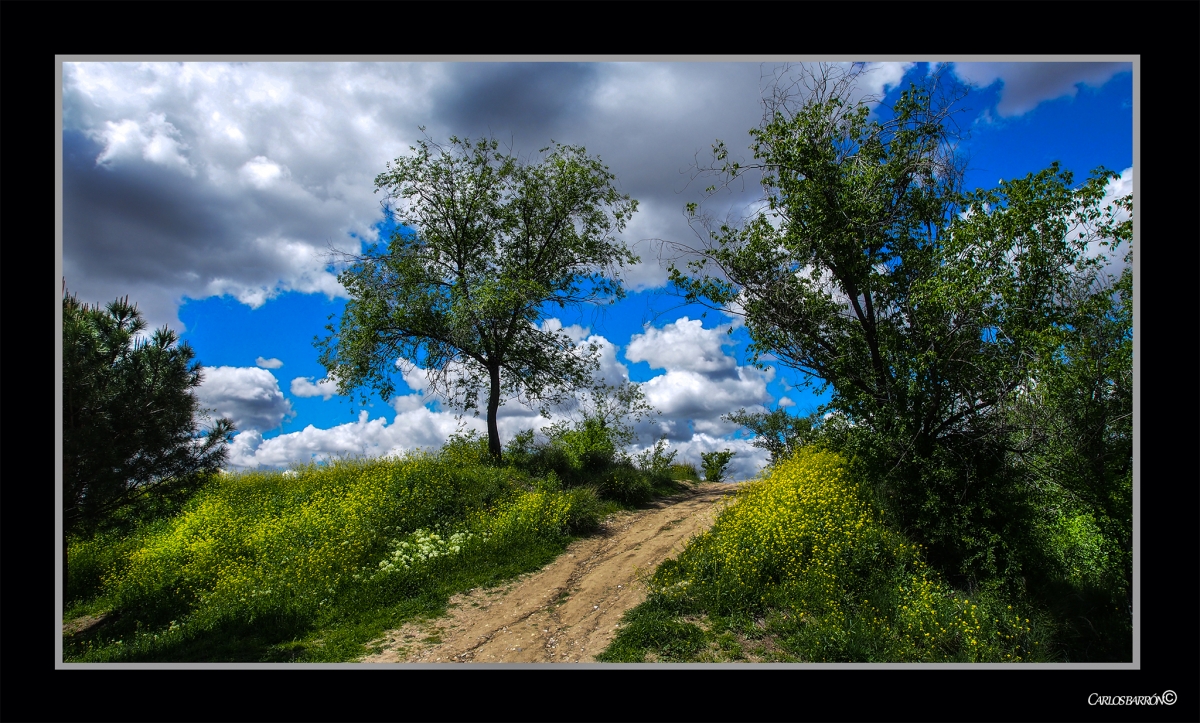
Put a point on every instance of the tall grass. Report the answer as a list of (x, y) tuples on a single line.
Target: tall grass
[(802, 558), (311, 564)]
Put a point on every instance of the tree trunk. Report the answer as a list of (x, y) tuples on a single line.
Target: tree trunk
[(493, 405)]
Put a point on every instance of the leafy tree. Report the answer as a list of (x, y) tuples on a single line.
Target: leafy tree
[(1072, 425), (776, 431), (714, 464), (923, 308), (132, 438), (614, 408), (487, 242)]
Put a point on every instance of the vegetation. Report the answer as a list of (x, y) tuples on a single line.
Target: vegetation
[(311, 564), (133, 445), (776, 431), (965, 496), (801, 567), (487, 242), (714, 464), (980, 364)]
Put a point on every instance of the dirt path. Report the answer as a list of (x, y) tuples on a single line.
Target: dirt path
[(568, 611)]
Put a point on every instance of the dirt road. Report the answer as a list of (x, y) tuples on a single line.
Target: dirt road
[(568, 611)]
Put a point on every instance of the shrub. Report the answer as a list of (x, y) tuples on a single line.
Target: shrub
[(684, 471), (714, 464), (656, 460), (625, 484)]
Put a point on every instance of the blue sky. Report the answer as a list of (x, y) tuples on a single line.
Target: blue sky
[(211, 192)]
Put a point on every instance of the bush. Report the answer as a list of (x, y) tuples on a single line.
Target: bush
[(715, 463), (625, 484), (684, 472), (588, 446), (656, 460)]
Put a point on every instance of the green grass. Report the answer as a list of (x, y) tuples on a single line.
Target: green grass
[(312, 565)]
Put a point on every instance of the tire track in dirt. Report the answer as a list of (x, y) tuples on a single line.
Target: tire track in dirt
[(568, 611)]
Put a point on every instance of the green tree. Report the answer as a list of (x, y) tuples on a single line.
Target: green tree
[(133, 442), (487, 242), (714, 464), (1072, 425), (776, 431), (924, 309)]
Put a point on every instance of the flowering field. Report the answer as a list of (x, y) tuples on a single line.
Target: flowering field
[(260, 561), (800, 567)]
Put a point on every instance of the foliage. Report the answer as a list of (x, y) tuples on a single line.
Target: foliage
[(133, 447), (616, 408), (684, 471), (776, 431), (487, 242), (656, 460), (588, 448), (806, 553), (923, 308), (714, 464), (293, 554)]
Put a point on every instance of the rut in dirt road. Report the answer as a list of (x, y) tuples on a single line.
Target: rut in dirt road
[(568, 611)]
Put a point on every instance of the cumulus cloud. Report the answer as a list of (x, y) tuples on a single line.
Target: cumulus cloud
[(200, 179), (249, 396), (692, 402), (155, 140), (414, 429), (268, 363), (1025, 85), (701, 382), (305, 387), (682, 346)]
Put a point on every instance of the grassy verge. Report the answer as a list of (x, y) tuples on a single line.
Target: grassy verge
[(312, 564), (800, 567)]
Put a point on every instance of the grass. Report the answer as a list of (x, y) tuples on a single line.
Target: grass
[(312, 564)]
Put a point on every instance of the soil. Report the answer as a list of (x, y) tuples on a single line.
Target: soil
[(568, 611)]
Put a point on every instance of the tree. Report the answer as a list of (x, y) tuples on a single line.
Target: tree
[(714, 464), (922, 307), (487, 242), (614, 408), (132, 437), (776, 431)]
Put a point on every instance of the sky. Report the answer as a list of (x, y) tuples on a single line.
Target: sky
[(211, 194)]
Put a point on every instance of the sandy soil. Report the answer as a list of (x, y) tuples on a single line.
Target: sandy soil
[(568, 611)]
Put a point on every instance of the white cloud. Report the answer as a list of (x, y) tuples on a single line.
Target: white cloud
[(268, 363), (155, 140), (786, 402), (611, 370), (247, 395), (692, 401), (1025, 85), (553, 325), (684, 345), (699, 385), (261, 172), (414, 429), (304, 387)]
